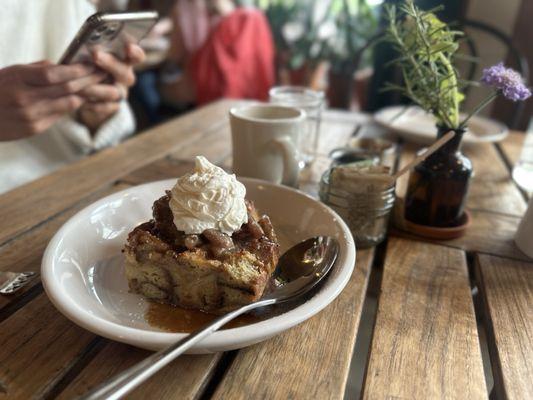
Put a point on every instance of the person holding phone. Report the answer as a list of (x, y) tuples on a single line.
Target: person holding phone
[(53, 114)]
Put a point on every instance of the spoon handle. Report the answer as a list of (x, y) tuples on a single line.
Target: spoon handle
[(127, 380)]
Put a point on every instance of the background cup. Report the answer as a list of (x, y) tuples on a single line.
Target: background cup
[(265, 139), (312, 102)]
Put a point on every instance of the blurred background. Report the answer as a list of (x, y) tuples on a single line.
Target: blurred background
[(328, 45)]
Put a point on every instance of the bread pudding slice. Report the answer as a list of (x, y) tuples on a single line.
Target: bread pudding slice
[(212, 272)]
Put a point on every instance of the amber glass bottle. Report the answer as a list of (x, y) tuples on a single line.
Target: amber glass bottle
[(438, 186)]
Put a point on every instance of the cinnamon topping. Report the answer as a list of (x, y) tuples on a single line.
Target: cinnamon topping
[(258, 235)]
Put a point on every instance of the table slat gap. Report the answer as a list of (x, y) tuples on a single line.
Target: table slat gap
[(482, 324), (210, 385), (76, 366), (361, 350), (506, 287), (12, 303)]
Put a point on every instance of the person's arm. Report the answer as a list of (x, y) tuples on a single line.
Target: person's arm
[(103, 100), (35, 96), (111, 132), (105, 117)]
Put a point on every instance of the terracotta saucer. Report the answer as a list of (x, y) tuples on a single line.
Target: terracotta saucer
[(439, 233), (430, 232)]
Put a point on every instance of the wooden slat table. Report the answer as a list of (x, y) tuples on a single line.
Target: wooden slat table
[(435, 299)]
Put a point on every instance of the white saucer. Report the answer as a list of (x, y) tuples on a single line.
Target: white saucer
[(82, 267), (417, 126)]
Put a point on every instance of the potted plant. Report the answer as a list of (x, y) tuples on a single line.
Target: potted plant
[(298, 28), (355, 25), (438, 186)]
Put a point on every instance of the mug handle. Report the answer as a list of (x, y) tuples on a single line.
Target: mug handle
[(291, 167)]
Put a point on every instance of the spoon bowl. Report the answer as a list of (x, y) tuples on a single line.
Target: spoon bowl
[(302, 267), (299, 269)]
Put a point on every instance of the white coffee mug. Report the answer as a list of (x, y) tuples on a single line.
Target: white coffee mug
[(264, 142)]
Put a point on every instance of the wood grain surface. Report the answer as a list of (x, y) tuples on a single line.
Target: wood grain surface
[(214, 144), (492, 188), (57, 191), (38, 346), (25, 252), (489, 233), (182, 379), (507, 290), (425, 343), (310, 361), (165, 168), (512, 146)]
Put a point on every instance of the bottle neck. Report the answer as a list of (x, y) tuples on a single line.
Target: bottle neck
[(454, 143)]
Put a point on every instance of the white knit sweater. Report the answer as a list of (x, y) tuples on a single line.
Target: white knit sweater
[(33, 30)]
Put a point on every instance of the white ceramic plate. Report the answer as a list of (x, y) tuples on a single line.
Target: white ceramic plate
[(417, 126), (82, 268)]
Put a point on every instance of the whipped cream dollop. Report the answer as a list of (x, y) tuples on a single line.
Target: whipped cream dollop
[(208, 198)]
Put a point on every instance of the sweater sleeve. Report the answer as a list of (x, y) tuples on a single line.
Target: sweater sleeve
[(114, 130)]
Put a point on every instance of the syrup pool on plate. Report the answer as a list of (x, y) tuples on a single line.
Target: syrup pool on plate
[(181, 320)]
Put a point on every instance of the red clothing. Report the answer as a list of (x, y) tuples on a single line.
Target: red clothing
[(237, 60)]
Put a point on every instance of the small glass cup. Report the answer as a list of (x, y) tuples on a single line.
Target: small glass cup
[(312, 102), (365, 208)]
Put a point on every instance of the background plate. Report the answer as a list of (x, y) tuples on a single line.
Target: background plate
[(417, 126)]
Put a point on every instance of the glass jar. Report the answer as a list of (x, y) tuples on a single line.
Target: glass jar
[(365, 206), (380, 151), (312, 102), (384, 149)]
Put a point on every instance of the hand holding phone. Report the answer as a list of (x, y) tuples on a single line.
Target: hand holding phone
[(110, 32), (35, 96), (102, 99), (110, 41)]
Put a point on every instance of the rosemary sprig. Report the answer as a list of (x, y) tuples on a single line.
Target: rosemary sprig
[(427, 47)]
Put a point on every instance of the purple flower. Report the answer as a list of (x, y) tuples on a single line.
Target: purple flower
[(507, 80)]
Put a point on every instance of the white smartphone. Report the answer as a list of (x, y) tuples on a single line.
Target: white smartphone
[(109, 32)]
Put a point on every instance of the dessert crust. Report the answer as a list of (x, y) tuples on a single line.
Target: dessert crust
[(210, 272)]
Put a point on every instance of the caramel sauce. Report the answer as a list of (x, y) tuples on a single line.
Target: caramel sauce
[(180, 320)]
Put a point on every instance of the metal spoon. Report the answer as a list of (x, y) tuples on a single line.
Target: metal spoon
[(298, 270)]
